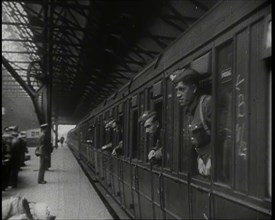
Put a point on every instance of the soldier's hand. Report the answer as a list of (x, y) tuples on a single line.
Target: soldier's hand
[(158, 154), (114, 152), (151, 154)]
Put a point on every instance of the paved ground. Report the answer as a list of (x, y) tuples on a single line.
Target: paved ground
[(68, 191)]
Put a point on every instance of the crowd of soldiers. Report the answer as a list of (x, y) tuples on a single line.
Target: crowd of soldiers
[(197, 111), (14, 147)]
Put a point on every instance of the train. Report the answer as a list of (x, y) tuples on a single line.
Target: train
[(231, 45)]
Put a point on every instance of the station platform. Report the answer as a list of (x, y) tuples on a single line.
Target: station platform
[(68, 192)]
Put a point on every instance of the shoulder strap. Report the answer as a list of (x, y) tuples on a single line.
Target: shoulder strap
[(202, 117)]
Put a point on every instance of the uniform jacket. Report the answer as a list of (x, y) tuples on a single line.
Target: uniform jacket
[(199, 123)]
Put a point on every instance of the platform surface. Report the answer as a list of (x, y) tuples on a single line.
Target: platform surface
[(68, 192)]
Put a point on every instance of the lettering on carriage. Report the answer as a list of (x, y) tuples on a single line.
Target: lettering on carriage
[(240, 126)]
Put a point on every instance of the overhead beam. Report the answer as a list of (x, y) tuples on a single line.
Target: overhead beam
[(17, 77)]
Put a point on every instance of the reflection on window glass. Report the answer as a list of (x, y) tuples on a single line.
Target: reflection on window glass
[(223, 149), (270, 138), (134, 133)]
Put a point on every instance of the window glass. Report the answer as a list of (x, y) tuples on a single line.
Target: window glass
[(142, 139), (158, 108), (270, 137), (134, 132), (223, 150), (167, 156)]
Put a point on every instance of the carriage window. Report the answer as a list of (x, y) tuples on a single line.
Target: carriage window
[(158, 108), (120, 135), (223, 151), (134, 132), (167, 151), (142, 139), (108, 134), (270, 137), (102, 132), (97, 135)]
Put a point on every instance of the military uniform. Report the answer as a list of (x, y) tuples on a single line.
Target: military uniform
[(45, 151), (198, 131), (155, 154), (15, 160), (198, 115)]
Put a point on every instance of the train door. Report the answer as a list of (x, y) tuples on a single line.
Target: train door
[(199, 183), (157, 180), (135, 153), (117, 166), (143, 189)]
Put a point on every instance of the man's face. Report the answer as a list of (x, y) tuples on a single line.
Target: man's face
[(185, 93), (115, 127), (150, 126)]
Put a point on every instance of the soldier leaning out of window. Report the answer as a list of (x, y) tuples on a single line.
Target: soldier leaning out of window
[(114, 127), (152, 127), (197, 110)]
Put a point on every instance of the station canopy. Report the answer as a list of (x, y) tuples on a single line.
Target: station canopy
[(91, 47)]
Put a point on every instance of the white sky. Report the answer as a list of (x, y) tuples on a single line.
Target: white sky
[(63, 130)]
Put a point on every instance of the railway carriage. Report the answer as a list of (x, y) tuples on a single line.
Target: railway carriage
[(230, 46)]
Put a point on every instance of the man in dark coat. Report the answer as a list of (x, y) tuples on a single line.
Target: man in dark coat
[(24, 148), (14, 157), (43, 153), (6, 148)]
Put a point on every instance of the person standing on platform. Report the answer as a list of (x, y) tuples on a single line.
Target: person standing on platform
[(24, 148), (6, 152), (42, 151), (15, 156), (61, 141)]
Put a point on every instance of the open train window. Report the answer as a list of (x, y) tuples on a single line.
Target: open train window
[(97, 134), (142, 140), (134, 133), (102, 131), (224, 109), (121, 123)]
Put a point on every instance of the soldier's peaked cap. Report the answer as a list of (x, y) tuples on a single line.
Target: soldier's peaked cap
[(110, 124), (146, 115), (185, 74), (43, 125)]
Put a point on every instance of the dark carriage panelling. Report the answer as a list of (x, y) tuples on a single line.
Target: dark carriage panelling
[(258, 89), (100, 167), (105, 165), (158, 212), (108, 168), (202, 64), (127, 184), (147, 208), (144, 182), (156, 187), (240, 25), (134, 101), (115, 175), (157, 89), (128, 199), (224, 208), (176, 197), (226, 14), (126, 169), (137, 207), (200, 202)]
